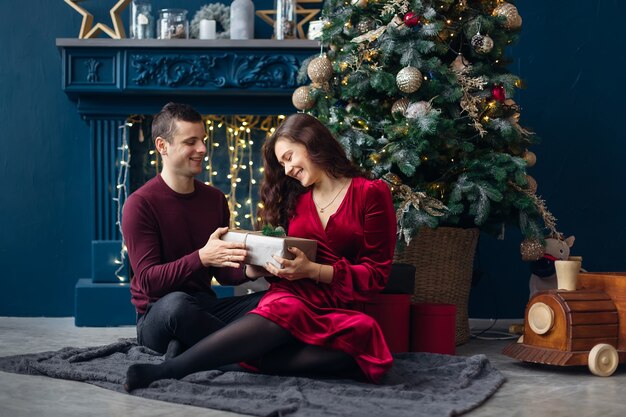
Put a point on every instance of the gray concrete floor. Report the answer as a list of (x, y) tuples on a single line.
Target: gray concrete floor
[(530, 390)]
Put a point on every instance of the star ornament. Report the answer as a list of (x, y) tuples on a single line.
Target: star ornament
[(308, 14), (87, 30)]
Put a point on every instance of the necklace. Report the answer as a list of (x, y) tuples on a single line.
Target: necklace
[(321, 209)]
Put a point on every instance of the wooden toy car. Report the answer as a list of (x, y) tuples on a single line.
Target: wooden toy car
[(586, 326)]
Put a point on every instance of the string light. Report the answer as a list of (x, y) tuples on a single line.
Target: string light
[(122, 191), (237, 131)]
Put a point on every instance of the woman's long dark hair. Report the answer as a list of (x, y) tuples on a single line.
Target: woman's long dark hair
[(279, 193)]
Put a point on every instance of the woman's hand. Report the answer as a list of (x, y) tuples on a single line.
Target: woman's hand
[(253, 272), (298, 268)]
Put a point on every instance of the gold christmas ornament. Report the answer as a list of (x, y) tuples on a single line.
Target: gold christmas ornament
[(320, 69), (530, 158), (361, 4), (459, 63), (531, 250), (302, 99), (409, 79), (510, 13), (400, 106), (482, 44), (532, 184)]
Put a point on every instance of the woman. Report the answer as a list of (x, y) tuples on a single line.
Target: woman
[(304, 324)]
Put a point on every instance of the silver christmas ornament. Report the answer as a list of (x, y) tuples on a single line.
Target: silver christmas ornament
[(361, 4), (482, 44), (366, 25), (418, 109), (409, 79)]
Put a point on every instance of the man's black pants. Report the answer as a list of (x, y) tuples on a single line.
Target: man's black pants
[(189, 318)]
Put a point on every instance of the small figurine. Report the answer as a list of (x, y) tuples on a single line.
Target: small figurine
[(543, 272)]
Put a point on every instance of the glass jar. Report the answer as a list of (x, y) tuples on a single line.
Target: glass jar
[(285, 23), (141, 21), (173, 24)]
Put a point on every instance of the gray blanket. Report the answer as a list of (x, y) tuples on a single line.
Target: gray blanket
[(419, 384)]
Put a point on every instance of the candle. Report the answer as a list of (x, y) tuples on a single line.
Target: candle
[(207, 29)]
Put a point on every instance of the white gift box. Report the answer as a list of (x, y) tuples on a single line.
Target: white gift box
[(261, 248)]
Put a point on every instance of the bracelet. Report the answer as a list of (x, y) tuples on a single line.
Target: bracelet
[(319, 274)]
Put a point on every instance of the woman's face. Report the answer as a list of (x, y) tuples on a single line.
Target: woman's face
[(296, 162)]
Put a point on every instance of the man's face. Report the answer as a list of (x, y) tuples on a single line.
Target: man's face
[(185, 155)]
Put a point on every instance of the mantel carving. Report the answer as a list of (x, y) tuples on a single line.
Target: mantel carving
[(226, 70), (111, 78)]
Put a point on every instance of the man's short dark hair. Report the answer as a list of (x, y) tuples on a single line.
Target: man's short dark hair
[(163, 123)]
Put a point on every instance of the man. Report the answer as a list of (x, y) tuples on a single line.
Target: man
[(166, 224)]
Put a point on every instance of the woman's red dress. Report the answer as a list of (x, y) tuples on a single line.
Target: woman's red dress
[(359, 242)]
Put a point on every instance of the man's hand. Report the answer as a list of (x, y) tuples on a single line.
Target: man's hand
[(218, 253)]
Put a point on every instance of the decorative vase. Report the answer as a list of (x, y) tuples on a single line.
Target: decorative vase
[(141, 21), (173, 24), (285, 23), (443, 260), (242, 19)]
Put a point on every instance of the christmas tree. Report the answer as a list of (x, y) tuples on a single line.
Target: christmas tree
[(419, 93)]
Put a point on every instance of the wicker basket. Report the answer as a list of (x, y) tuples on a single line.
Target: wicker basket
[(443, 260)]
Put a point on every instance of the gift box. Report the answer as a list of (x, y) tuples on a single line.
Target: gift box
[(392, 313), (433, 328), (261, 248)]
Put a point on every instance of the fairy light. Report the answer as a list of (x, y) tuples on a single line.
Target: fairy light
[(210, 148), (122, 190), (237, 131)]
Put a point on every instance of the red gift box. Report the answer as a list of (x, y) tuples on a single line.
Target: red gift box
[(392, 313), (433, 328)]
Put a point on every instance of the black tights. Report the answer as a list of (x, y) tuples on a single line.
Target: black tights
[(251, 338)]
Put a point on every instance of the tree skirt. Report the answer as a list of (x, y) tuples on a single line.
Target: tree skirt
[(419, 384)]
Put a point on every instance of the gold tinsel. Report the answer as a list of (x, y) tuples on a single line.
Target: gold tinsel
[(469, 103), (532, 184), (419, 200), (548, 218)]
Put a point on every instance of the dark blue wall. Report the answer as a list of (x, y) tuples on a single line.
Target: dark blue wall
[(570, 56)]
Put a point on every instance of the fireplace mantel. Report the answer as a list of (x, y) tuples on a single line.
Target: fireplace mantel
[(113, 78)]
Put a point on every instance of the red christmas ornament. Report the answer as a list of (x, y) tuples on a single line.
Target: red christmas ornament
[(411, 19), (498, 93)]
